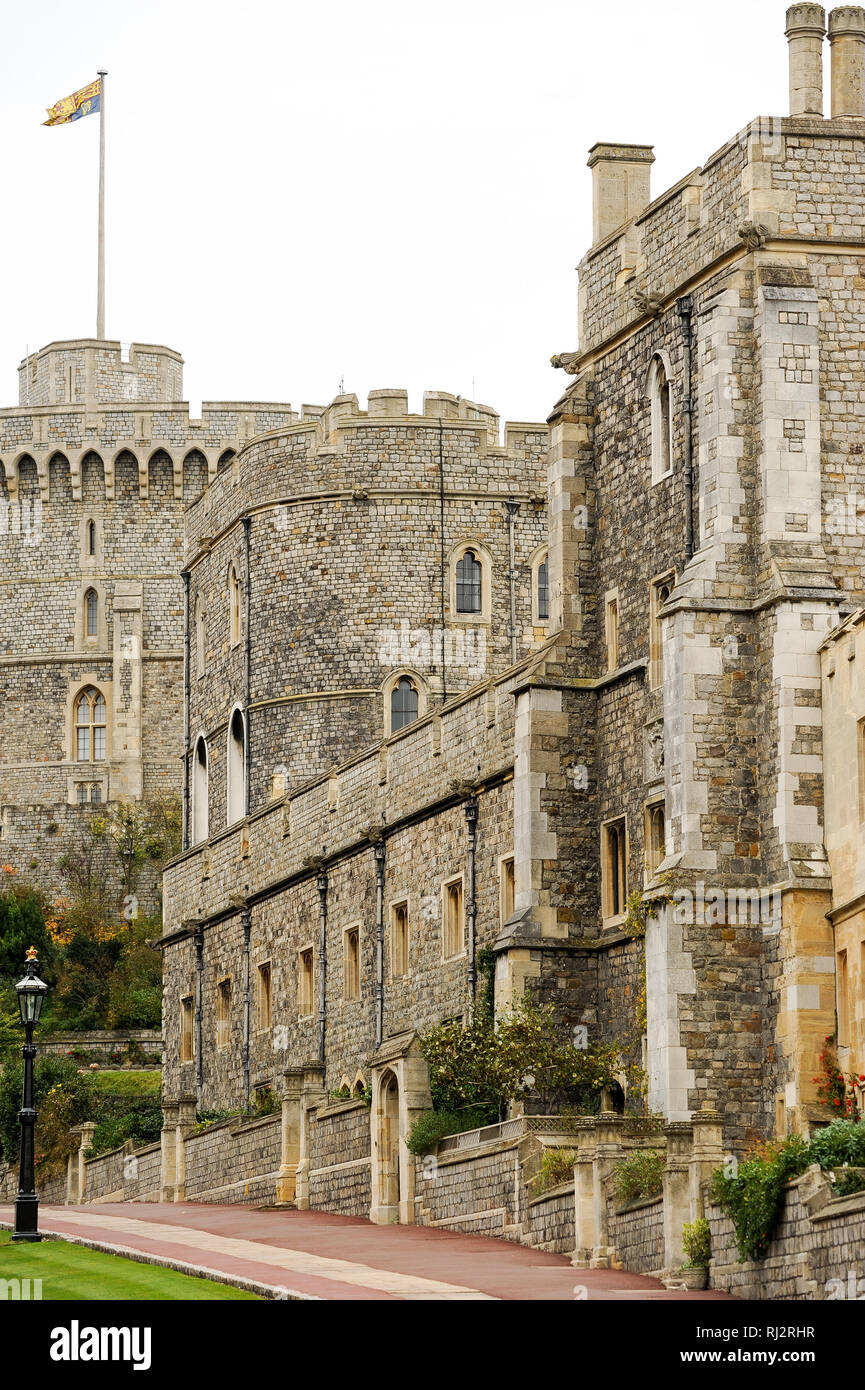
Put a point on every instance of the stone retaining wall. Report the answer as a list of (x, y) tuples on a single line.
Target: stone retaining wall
[(637, 1236), (476, 1190), (339, 1176), (817, 1254), (551, 1223), (232, 1162)]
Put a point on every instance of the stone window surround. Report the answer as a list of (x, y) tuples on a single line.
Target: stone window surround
[(651, 804), (231, 769), (235, 616), (99, 642), (388, 688), (199, 623), (457, 879), (656, 643), (660, 455), (260, 996), (398, 902), (76, 688), (503, 861), (611, 638), (484, 617), (610, 919), (94, 561), (223, 1019), (187, 1054), (302, 976), (353, 995), (199, 792), (537, 559)]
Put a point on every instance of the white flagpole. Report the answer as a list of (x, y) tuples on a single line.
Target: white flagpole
[(100, 281)]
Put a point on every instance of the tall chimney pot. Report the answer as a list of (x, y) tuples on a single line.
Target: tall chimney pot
[(847, 40), (620, 185), (806, 30)]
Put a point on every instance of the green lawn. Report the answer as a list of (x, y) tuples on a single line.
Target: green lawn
[(129, 1083), (72, 1272)]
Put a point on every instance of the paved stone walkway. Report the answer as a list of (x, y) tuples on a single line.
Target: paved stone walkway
[(314, 1254)]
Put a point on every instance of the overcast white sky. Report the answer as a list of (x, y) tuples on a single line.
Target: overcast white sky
[(388, 193)]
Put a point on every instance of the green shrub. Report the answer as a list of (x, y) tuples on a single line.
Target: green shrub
[(641, 1175), (433, 1125), (63, 1098), (557, 1166), (843, 1141), (847, 1183), (751, 1194), (696, 1243)]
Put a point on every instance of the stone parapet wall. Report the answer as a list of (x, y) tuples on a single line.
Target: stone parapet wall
[(232, 1162)]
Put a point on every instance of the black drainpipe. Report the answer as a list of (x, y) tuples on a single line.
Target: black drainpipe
[(471, 813), (198, 940), (379, 850), (185, 837), (246, 918), (685, 307), (442, 552), (321, 885), (247, 523)]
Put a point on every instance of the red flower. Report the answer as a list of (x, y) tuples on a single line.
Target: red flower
[(836, 1101)]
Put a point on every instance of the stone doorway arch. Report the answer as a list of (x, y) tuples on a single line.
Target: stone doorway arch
[(400, 1091), (387, 1118)]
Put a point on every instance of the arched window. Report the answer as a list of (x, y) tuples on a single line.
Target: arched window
[(200, 636), (90, 726), (469, 572), (91, 613), (403, 704), (544, 590), (199, 793), (91, 538), (234, 603), (236, 768), (662, 420)]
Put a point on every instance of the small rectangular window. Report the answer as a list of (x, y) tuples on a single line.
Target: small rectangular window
[(454, 934), (186, 1034), (262, 996), (305, 994), (611, 630), (506, 889), (614, 868), (660, 591), (399, 939), (223, 1014), (351, 963)]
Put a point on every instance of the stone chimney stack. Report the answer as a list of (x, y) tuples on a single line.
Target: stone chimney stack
[(847, 40), (806, 29), (620, 185)]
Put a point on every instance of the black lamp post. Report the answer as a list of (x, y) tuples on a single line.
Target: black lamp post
[(31, 996)]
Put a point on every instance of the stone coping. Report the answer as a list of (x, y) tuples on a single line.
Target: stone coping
[(340, 1107), (639, 1204), (563, 1189)]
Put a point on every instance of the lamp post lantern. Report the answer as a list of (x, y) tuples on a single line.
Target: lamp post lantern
[(31, 993)]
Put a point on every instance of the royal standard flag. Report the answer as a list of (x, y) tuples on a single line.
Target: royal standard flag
[(82, 103)]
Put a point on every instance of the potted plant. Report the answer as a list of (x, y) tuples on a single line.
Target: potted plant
[(697, 1246)]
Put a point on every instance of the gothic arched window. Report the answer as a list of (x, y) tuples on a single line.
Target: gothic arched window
[(90, 725), (469, 576), (662, 420), (403, 704), (91, 613), (544, 590)]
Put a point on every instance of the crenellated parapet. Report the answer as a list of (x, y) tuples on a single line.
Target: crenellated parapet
[(340, 452)]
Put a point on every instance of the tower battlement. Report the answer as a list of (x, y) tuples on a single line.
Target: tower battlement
[(86, 371)]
